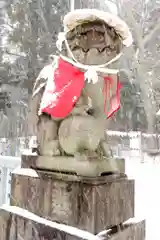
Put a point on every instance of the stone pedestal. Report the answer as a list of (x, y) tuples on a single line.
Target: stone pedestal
[(80, 165), (91, 204), (70, 206)]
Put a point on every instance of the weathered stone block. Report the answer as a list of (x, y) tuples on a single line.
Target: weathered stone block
[(17, 223), (80, 165), (91, 204)]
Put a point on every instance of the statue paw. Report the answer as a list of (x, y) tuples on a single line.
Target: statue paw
[(50, 148), (78, 133), (82, 111), (33, 144)]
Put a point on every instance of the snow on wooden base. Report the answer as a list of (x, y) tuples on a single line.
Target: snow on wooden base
[(17, 223), (91, 204), (131, 230)]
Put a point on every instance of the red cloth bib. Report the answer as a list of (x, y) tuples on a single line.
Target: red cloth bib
[(113, 100), (62, 92)]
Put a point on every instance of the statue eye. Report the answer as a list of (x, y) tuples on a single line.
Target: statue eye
[(75, 48), (100, 50), (85, 50), (101, 38)]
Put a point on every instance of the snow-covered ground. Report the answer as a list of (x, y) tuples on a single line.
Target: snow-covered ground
[(147, 192)]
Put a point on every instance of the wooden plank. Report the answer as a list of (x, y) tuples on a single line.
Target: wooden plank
[(90, 204), (17, 223)]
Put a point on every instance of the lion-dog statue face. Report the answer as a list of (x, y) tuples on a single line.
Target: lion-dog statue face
[(94, 43)]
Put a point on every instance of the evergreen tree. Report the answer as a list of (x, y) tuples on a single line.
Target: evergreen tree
[(35, 25), (31, 31)]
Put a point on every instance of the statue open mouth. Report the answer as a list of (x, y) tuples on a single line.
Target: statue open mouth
[(96, 39)]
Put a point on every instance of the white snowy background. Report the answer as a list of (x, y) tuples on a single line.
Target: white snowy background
[(147, 192)]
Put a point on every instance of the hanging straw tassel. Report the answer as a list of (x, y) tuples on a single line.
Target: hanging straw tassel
[(91, 76)]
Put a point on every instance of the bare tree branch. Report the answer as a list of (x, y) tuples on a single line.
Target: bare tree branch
[(149, 36), (13, 54), (42, 16), (9, 25), (156, 64), (127, 72)]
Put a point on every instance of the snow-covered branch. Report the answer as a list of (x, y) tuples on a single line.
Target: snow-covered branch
[(42, 17), (13, 54)]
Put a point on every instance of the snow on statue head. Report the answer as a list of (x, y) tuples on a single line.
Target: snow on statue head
[(73, 97)]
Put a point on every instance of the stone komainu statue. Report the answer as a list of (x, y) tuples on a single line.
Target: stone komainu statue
[(73, 96)]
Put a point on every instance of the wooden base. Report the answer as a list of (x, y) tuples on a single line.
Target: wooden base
[(91, 204), (81, 167), (17, 223)]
